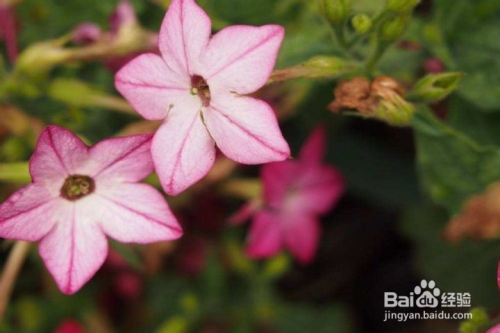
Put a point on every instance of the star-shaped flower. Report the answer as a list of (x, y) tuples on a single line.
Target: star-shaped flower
[(197, 87), (78, 196), (295, 194)]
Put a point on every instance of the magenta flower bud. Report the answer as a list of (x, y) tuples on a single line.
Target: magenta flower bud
[(433, 65), (123, 15), (86, 33)]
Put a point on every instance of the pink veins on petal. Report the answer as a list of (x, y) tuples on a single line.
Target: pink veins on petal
[(80, 195), (196, 87), (295, 194)]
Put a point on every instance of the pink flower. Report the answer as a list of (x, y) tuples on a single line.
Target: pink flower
[(78, 196), (196, 87), (494, 329), (295, 194)]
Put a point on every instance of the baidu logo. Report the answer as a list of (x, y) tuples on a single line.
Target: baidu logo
[(427, 295)]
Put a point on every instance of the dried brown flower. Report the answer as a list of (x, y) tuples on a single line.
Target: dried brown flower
[(480, 218)]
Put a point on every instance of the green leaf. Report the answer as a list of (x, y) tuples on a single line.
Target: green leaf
[(452, 166), (479, 50)]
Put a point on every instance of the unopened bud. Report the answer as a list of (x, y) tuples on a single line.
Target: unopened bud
[(401, 6), (123, 15), (336, 11), (392, 108), (361, 23), (393, 28), (317, 67), (435, 87), (86, 33), (39, 59), (396, 111)]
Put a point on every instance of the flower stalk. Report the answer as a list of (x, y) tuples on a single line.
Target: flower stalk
[(10, 272)]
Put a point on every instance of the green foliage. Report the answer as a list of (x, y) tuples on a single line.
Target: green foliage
[(452, 165)]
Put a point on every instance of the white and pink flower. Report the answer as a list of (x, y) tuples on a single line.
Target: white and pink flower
[(80, 195), (197, 88)]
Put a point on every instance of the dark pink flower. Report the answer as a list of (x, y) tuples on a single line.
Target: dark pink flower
[(498, 275), (79, 195), (295, 193), (196, 86), (8, 31), (70, 326)]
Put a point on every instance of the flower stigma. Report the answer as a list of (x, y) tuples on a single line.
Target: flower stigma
[(76, 187), (200, 87)]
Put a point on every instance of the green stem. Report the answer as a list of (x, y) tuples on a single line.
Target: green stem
[(15, 172), (379, 52)]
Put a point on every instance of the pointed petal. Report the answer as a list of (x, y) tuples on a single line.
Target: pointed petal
[(152, 88), (27, 214), (264, 239), (278, 178), (58, 154), (246, 130), (125, 159), (184, 35), (241, 58), (183, 151), (494, 329), (318, 189), (136, 213), (302, 236), (245, 212), (75, 248), (314, 148)]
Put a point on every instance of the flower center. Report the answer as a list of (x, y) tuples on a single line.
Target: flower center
[(200, 87), (76, 187)]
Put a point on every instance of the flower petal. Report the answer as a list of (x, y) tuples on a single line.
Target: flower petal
[(184, 35), (58, 154), (136, 213), (27, 214), (317, 189), (301, 235), (183, 151), (277, 179), (152, 88), (264, 239), (314, 148), (246, 130), (76, 247), (241, 58), (125, 159)]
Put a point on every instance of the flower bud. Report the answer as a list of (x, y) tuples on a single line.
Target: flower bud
[(86, 33), (401, 6), (316, 67), (393, 28), (435, 87), (361, 23), (123, 15), (395, 111), (40, 58), (336, 11)]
